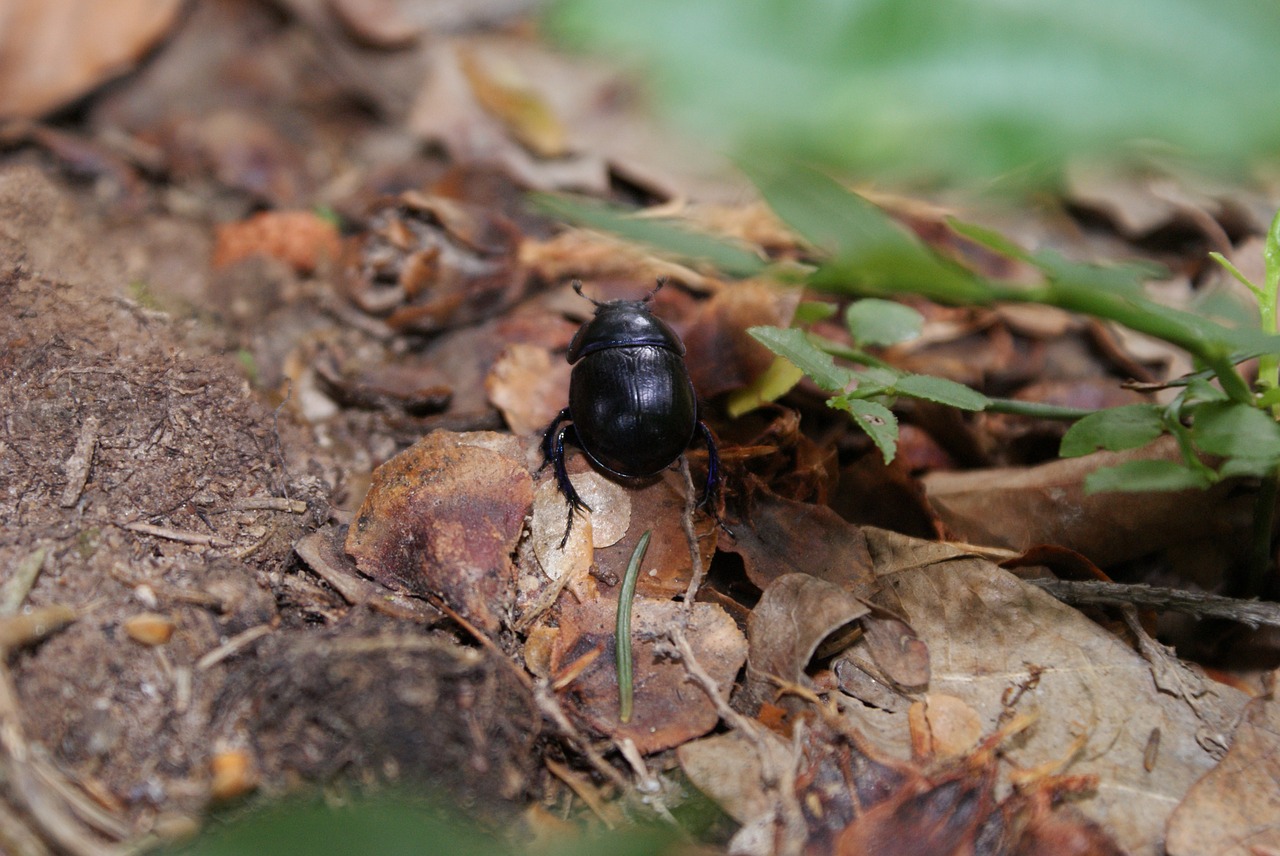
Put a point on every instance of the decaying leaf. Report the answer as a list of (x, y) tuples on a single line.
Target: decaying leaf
[(528, 386), (660, 505), (1019, 508), (720, 354), (1003, 647), (667, 710), (427, 263), (795, 614), (781, 536), (54, 52), (1235, 808), (443, 518)]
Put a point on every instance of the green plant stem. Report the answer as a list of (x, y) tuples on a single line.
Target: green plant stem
[(1037, 409), (1269, 363), (1263, 522), (1136, 314), (622, 630)]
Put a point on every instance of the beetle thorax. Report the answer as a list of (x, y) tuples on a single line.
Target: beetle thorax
[(623, 324)]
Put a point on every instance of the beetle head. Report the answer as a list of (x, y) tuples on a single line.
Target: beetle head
[(622, 324)]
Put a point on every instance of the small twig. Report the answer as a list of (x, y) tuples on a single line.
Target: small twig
[(121, 574), (180, 535), (551, 709), (233, 646), (686, 521), (586, 791), (264, 503), (1253, 613), (16, 588), (77, 466), (777, 777)]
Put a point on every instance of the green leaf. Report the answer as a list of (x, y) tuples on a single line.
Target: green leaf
[(1245, 466), (1114, 429), (808, 357), (870, 253), (941, 391), (810, 311), (1143, 476), (773, 383), (882, 322), (903, 89), (1235, 431), (989, 238), (874, 418), (668, 236)]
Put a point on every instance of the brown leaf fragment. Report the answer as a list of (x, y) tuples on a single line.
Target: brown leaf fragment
[(720, 354), (429, 263), (55, 51), (505, 95), (780, 536), (942, 820), (376, 23), (667, 711), (1019, 508), (528, 386), (943, 727), (1092, 696), (443, 518), (896, 649), (795, 614), (300, 239), (1235, 808), (322, 552), (728, 768)]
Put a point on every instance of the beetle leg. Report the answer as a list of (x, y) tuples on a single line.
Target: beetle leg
[(553, 453), (549, 438), (711, 494)]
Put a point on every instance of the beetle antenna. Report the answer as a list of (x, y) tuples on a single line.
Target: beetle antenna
[(577, 286), (662, 280)]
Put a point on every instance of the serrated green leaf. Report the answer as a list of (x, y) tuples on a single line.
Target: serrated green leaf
[(1143, 476), (941, 391), (872, 321), (875, 379), (808, 357), (875, 419), (1235, 430), (1114, 429), (665, 235)]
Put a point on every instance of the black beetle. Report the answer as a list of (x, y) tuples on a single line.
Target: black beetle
[(632, 408)]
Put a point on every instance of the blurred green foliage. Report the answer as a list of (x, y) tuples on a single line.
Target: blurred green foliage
[(956, 90)]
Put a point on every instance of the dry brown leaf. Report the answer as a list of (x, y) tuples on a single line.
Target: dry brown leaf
[(994, 640), (1235, 809), (667, 710), (1023, 507), (301, 239), (54, 51), (443, 518), (659, 506), (720, 354), (796, 613), (528, 386), (506, 95), (376, 23), (780, 536)]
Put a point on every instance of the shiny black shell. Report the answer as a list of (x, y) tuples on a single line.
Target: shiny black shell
[(630, 396)]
